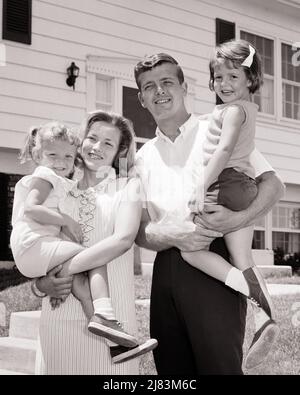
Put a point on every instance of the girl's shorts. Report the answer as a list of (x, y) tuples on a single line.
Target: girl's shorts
[(233, 189), (35, 260)]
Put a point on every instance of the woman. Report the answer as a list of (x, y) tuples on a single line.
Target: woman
[(108, 207)]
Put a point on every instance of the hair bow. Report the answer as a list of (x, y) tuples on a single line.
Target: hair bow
[(249, 59)]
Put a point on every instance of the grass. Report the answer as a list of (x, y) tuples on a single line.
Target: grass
[(284, 359)]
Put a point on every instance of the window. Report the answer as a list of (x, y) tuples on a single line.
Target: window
[(259, 234), (265, 46), (290, 84), (144, 124), (258, 240), (225, 31), (16, 24), (286, 228)]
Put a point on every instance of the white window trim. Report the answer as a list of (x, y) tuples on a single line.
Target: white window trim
[(276, 118), (286, 205)]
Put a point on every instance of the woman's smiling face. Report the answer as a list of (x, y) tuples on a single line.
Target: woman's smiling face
[(100, 145)]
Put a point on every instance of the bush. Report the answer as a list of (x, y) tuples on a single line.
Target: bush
[(292, 260), (9, 277)]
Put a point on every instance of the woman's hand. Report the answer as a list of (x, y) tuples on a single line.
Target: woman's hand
[(53, 286), (72, 229)]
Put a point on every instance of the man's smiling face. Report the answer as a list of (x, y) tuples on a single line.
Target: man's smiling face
[(161, 92)]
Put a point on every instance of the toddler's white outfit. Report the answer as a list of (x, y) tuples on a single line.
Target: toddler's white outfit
[(33, 244)]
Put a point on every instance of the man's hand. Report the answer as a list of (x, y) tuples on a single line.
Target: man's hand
[(198, 240), (184, 235), (220, 218), (55, 287)]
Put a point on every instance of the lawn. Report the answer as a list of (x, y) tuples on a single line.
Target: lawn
[(284, 359)]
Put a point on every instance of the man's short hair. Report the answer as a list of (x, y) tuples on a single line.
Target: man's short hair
[(149, 62)]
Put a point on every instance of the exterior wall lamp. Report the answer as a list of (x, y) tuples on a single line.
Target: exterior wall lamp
[(73, 73)]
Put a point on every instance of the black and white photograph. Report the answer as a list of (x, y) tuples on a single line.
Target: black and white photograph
[(150, 190)]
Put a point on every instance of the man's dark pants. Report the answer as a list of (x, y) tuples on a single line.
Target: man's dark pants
[(198, 321)]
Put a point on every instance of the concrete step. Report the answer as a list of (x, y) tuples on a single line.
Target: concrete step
[(17, 354), (147, 268), (10, 372), (147, 256), (24, 324), (275, 271), (283, 289)]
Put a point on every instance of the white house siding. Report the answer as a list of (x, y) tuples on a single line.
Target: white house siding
[(33, 88)]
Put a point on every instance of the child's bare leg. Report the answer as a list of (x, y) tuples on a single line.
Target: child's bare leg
[(208, 262), (81, 291), (100, 292), (239, 245), (104, 322), (65, 251), (218, 268)]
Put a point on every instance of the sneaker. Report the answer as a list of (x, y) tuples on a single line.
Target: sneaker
[(262, 343), (111, 330), (122, 354), (258, 291)]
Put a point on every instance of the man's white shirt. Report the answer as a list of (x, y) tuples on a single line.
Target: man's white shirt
[(171, 171)]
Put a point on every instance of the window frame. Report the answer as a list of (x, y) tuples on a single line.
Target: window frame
[(293, 83), (276, 118)]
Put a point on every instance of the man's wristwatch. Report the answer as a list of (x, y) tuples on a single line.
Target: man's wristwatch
[(35, 290)]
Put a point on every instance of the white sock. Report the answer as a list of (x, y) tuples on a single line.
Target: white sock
[(260, 317), (103, 306), (236, 280)]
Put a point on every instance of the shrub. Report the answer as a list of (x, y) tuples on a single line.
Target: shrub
[(293, 260), (10, 277)]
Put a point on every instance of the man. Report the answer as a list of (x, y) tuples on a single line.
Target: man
[(199, 323)]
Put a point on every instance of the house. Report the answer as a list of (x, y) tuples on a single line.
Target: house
[(41, 38)]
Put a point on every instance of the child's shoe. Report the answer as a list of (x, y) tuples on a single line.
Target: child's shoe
[(257, 295), (122, 354), (262, 343), (111, 330)]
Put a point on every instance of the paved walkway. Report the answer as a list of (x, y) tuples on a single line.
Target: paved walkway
[(283, 289)]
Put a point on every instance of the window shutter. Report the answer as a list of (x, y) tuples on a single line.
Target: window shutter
[(225, 31), (17, 20)]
